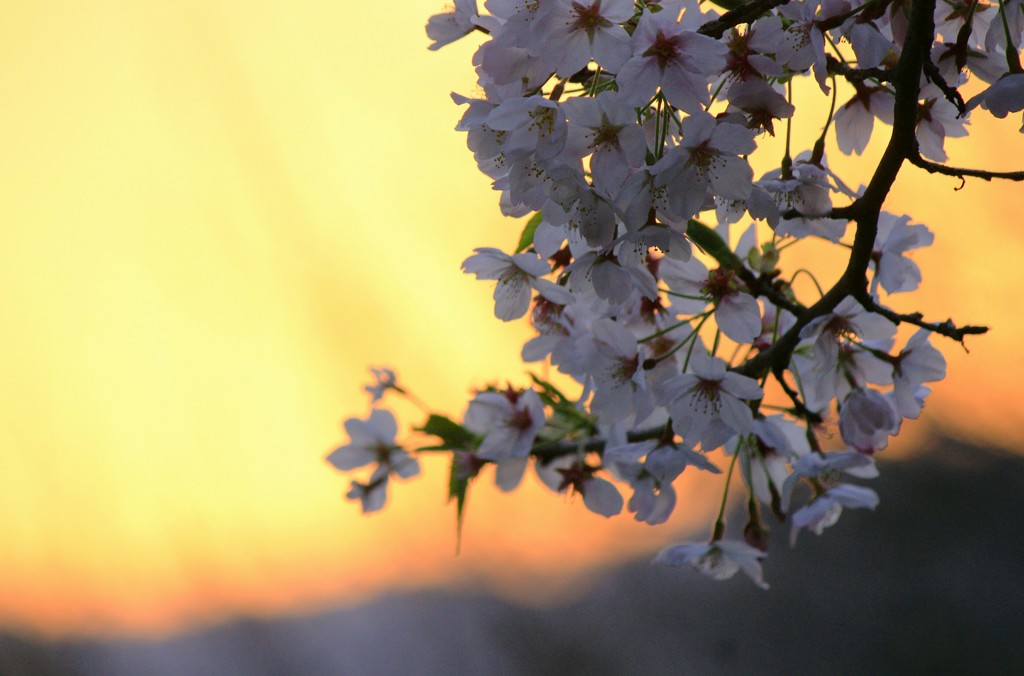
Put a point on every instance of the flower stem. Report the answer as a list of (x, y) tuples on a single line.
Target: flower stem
[(719, 531)]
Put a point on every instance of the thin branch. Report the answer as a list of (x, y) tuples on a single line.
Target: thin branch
[(845, 213), (550, 450), (962, 173), (836, 67), (762, 286), (946, 328), (745, 13), (798, 406), (951, 93)]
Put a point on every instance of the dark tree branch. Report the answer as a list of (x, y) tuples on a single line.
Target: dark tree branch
[(844, 213), (865, 210), (761, 286), (798, 406), (962, 173), (547, 451), (946, 328), (952, 94), (836, 67), (745, 13)]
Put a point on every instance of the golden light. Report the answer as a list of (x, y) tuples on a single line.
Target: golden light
[(217, 215)]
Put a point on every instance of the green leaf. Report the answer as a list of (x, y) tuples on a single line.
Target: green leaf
[(710, 241), (526, 239), (452, 435), (458, 488), (552, 393), (563, 407)]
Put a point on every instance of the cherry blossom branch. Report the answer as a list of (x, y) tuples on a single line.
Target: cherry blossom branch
[(865, 210), (656, 152)]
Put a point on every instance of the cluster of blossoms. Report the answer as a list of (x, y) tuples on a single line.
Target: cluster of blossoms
[(623, 127)]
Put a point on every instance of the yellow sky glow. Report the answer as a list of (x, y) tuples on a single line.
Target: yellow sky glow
[(217, 214)]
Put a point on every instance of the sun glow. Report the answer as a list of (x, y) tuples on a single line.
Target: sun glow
[(217, 215)]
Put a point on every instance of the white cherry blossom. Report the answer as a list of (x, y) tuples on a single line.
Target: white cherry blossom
[(373, 494), (578, 31), (938, 119), (707, 404), (867, 420), (668, 56), (516, 275), (509, 421), (803, 42), (383, 380), (827, 469), (708, 156), (718, 560), (1002, 98), (894, 272), (607, 129), (533, 125), (855, 120), (373, 441), (761, 103), (599, 495), (448, 27), (917, 363), (849, 318), (824, 511)]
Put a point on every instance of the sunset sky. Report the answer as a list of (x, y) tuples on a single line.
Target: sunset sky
[(218, 214)]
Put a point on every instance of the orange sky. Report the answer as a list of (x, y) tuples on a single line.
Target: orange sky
[(217, 215)]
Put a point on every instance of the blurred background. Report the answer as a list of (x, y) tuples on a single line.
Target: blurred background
[(218, 214)]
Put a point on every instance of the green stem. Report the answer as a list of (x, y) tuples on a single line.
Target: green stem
[(663, 331), (696, 332), (719, 531), (807, 272)]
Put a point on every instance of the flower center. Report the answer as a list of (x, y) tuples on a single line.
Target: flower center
[(701, 156), (840, 327), (520, 420), (574, 476), (737, 61), (706, 396), (664, 49), (607, 134), (588, 18), (626, 369), (721, 283), (383, 452)]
